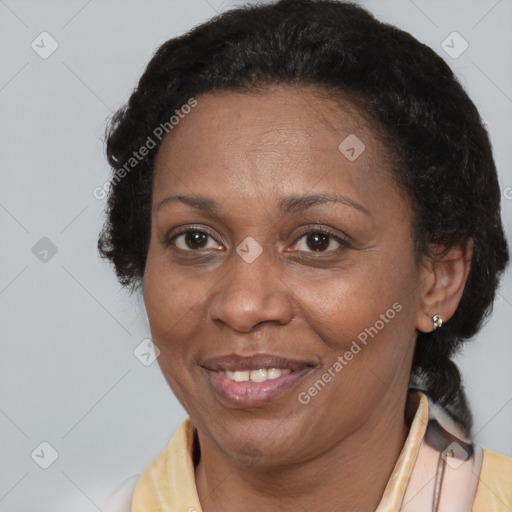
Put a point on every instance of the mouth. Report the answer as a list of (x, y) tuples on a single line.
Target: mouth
[(259, 375), (253, 381)]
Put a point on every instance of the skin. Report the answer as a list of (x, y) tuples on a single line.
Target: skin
[(246, 152)]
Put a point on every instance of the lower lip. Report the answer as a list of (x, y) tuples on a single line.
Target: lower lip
[(254, 394)]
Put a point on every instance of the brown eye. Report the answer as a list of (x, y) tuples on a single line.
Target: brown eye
[(193, 240), (320, 241), (317, 241)]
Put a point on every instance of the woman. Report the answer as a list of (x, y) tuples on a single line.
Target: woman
[(308, 199)]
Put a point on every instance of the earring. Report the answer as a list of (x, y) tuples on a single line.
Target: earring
[(437, 319)]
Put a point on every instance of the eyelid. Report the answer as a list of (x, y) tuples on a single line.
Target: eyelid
[(344, 240), (169, 238)]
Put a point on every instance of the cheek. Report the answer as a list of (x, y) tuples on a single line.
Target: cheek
[(167, 294), (368, 300), (169, 304), (366, 337), (366, 317)]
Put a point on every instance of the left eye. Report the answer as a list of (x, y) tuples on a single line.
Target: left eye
[(319, 241)]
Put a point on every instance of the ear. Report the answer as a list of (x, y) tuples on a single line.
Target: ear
[(444, 278)]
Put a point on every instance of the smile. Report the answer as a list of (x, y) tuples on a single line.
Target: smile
[(260, 375), (253, 380), (242, 389)]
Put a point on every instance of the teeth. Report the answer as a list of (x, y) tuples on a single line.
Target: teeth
[(260, 375), (274, 373), (240, 376)]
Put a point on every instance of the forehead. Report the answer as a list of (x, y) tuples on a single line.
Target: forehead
[(281, 138)]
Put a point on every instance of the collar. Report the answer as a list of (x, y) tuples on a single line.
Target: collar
[(417, 406), (168, 484)]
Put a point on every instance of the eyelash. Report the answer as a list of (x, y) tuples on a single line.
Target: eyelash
[(344, 243)]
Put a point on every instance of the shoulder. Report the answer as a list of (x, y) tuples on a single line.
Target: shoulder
[(494, 491)]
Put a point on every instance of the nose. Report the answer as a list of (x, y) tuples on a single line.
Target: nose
[(251, 293)]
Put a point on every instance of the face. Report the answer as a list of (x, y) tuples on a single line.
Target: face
[(280, 286)]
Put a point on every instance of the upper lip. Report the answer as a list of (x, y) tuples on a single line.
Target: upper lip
[(233, 362)]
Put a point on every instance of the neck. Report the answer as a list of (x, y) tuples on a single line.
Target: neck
[(351, 476)]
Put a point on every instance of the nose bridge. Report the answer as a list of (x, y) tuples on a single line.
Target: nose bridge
[(251, 292)]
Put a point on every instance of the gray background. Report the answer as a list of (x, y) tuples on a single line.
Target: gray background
[(68, 372)]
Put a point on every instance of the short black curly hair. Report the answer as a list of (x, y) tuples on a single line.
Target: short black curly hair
[(443, 156)]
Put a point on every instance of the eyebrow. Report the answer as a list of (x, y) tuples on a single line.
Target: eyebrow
[(288, 204)]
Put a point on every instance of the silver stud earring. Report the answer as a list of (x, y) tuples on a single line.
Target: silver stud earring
[(437, 320)]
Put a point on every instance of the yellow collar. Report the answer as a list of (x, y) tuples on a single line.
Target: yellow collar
[(394, 492)]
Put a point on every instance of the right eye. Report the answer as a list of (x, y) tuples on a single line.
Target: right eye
[(192, 239)]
